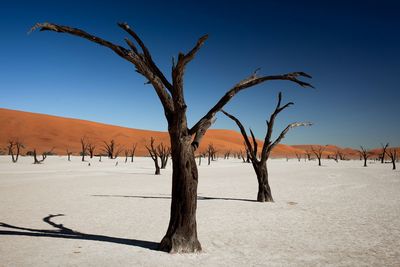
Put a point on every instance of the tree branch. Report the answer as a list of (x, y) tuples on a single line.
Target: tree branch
[(147, 55), (132, 56), (244, 134), (244, 84), (284, 132), (178, 70), (270, 125), (254, 142)]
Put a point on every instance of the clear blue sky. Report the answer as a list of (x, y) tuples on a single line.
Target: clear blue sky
[(350, 49)]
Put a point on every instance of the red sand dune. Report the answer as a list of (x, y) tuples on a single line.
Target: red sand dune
[(46, 132)]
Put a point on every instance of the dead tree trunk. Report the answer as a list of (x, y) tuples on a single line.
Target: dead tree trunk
[(211, 153), (132, 151), (384, 148), (318, 153), (35, 160), (69, 154), (264, 193), (308, 155), (392, 154), (111, 149), (260, 164), (181, 235), (91, 147), (342, 156), (154, 156), (163, 152), (17, 145), (84, 147), (364, 154), (126, 155), (44, 156)]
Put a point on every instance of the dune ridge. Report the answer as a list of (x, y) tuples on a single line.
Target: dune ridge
[(46, 132)]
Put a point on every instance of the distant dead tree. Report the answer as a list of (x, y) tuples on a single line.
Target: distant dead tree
[(126, 152), (203, 154), (14, 148), (260, 165), (308, 155), (199, 157), (44, 156), (392, 154), (181, 235), (112, 149), (90, 148), (132, 151), (163, 152), (342, 156), (84, 147), (227, 154), (211, 151), (364, 154), (298, 156), (383, 154), (69, 153), (153, 154), (318, 150), (335, 157)]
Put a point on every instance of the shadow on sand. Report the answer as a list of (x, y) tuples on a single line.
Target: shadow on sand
[(168, 197), (64, 232)]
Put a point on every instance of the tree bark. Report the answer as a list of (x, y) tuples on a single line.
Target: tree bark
[(264, 191), (181, 235)]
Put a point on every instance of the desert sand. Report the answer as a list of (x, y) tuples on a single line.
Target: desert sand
[(340, 214), (45, 132)]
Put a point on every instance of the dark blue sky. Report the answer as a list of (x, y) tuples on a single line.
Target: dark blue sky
[(350, 49)]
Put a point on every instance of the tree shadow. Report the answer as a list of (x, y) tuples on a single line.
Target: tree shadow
[(168, 197), (67, 233)]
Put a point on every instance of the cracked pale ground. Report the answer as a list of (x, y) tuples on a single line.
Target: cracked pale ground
[(341, 214)]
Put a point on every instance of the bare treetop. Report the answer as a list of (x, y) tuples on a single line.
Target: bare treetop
[(171, 95)]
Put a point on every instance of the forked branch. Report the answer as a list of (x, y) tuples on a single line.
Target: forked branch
[(245, 84), (144, 65)]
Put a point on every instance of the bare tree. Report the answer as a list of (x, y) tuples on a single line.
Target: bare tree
[(298, 156), (84, 147), (227, 154), (211, 151), (90, 148), (203, 154), (112, 149), (308, 154), (44, 156), (199, 157), (132, 151), (14, 148), (181, 235), (126, 152), (392, 154), (318, 150), (241, 155), (342, 155), (69, 153), (163, 152), (335, 156), (260, 165), (364, 154), (383, 154), (153, 154)]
